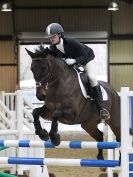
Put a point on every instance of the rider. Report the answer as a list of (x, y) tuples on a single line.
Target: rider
[(76, 52)]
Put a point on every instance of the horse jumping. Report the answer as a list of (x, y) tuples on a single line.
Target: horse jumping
[(64, 102)]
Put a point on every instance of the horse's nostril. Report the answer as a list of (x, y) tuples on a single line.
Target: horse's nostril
[(40, 97)]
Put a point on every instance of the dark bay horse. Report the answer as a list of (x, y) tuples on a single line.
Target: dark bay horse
[(64, 101)]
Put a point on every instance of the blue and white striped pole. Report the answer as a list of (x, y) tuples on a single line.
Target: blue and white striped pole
[(59, 162), (63, 144)]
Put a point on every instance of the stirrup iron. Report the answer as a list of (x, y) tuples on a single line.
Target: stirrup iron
[(104, 115)]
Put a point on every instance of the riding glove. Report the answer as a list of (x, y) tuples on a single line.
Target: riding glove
[(70, 61)]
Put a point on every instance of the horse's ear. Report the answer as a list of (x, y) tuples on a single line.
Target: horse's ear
[(47, 49), (30, 53)]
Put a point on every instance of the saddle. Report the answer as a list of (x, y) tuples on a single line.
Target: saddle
[(82, 76), (85, 85)]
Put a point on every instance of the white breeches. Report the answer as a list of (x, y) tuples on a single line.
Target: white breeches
[(90, 70)]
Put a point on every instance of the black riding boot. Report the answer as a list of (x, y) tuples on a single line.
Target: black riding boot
[(97, 95)]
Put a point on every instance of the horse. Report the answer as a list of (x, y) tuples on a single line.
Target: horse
[(57, 84)]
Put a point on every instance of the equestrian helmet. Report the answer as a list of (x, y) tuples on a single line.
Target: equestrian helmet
[(54, 28)]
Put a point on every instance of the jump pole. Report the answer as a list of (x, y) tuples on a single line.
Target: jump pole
[(63, 144), (6, 175), (59, 162)]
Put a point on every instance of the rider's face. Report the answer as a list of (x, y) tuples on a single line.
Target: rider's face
[(55, 39)]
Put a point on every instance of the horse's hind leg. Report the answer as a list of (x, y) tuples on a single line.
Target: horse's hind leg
[(96, 134), (42, 133)]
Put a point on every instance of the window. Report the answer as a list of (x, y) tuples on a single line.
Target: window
[(101, 60)]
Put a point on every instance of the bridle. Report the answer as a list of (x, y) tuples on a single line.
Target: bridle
[(48, 78)]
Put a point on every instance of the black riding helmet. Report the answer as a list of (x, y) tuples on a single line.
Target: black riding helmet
[(54, 28)]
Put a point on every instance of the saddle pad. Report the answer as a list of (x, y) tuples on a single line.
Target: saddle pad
[(83, 90)]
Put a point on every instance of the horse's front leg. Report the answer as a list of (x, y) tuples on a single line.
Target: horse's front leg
[(54, 136), (42, 133), (68, 114)]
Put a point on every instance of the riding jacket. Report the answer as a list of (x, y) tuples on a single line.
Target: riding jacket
[(75, 50)]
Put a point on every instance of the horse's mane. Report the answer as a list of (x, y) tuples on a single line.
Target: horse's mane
[(41, 51)]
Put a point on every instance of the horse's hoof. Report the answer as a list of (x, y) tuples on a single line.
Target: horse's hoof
[(43, 134), (55, 139), (100, 157), (103, 169)]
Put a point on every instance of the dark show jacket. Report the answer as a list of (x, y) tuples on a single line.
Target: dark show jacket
[(74, 49)]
